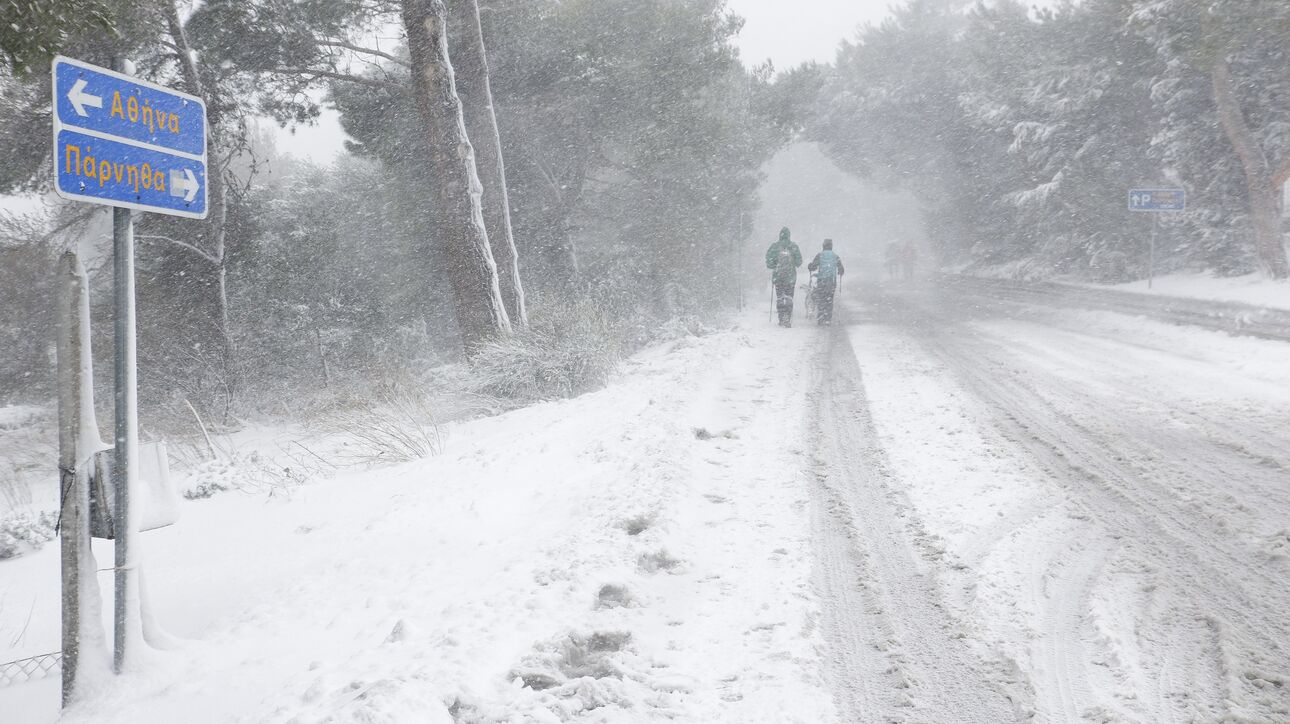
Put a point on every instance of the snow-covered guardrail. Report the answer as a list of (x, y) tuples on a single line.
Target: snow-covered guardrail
[(1230, 317)]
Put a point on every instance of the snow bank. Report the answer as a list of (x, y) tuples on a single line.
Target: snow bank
[(1253, 289), (634, 554)]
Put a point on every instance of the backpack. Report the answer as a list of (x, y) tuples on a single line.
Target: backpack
[(784, 269), (828, 269)]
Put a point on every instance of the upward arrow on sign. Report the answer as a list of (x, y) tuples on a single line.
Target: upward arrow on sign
[(1157, 200), (79, 98)]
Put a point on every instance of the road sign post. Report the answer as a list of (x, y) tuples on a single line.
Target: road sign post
[(1151, 252), (1156, 201), (123, 142)]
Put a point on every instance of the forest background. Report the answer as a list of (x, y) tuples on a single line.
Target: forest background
[(617, 151)]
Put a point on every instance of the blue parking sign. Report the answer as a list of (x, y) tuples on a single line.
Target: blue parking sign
[(1157, 200)]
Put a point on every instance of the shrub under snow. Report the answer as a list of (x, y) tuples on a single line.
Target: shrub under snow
[(561, 355)]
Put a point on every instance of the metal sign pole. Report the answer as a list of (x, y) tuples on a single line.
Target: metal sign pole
[(127, 433), (1151, 255), (1156, 202), (739, 263), (127, 429)]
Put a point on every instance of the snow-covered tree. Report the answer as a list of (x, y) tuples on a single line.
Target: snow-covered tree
[(33, 31), (470, 66), (456, 191), (1239, 46), (294, 49), (1069, 90)]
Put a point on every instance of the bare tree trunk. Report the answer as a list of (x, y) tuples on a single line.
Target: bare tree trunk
[(456, 210), (217, 198), (1261, 179), (556, 245), (561, 255), (470, 64)]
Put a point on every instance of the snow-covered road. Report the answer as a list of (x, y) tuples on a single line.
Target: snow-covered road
[(1100, 504), (936, 511)]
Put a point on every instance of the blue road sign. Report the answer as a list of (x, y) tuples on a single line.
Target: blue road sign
[(121, 174), (122, 141), (1157, 200)]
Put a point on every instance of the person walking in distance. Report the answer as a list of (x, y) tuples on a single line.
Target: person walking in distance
[(828, 268), (893, 258), (783, 258), (909, 259)]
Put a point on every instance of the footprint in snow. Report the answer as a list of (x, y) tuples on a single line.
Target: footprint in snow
[(638, 524), (614, 596), (658, 561), (702, 433)]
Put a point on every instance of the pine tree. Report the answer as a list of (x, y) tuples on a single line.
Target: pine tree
[(1239, 46), (455, 188), (470, 64)]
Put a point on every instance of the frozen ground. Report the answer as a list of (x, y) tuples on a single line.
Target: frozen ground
[(930, 513)]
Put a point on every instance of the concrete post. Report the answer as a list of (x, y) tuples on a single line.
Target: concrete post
[(78, 439)]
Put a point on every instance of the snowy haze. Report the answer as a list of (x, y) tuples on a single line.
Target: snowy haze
[(816, 200), (791, 33)]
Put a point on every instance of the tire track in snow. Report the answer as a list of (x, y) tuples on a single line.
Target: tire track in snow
[(1022, 580), (1205, 579), (1065, 623), (896, 653)]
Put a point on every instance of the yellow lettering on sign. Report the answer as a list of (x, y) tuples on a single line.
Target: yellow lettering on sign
[(68, 166)]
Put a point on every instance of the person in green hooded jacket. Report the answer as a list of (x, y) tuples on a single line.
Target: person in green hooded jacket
[(783, 258)]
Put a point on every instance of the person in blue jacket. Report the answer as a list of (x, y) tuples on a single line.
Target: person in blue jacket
[(827, 266)]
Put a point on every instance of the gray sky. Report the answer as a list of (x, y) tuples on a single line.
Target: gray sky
[(788, 32)]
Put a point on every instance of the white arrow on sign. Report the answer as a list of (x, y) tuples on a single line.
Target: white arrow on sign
[(80, 98), (184, 183)]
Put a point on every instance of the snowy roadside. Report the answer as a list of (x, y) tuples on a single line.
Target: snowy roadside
[(634, 554), (1021, 298), (1252, 289)]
